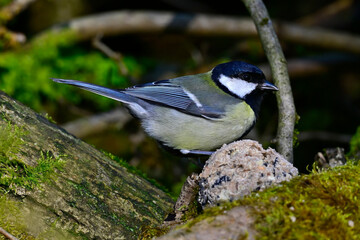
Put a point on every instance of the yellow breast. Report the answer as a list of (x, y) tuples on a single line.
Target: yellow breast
[(182, 131)]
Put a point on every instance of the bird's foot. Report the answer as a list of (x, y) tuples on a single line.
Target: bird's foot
[(197, 152)]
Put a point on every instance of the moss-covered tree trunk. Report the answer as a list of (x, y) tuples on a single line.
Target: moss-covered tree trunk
[(55, 186)]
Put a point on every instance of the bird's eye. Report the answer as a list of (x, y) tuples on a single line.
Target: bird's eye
[(246, 77)]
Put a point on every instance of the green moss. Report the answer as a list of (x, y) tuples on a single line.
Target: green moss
[(4, 2), (49, 118), (25, 73), (192, 210), (321, 205), (14, 173), (12, 220), (139, 173), (10, 138), (95, 203), (16, 219), (264, 21), (296, 132), (355, 145), (148, 232)]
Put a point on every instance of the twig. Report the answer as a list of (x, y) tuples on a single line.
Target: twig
[(7, 235), (327, 12), (11, 39), (14, 8), (116, 56), (123, 22), (280, 75)]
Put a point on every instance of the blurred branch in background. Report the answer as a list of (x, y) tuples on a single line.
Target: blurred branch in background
[(9, 39), (277, 61), (319, 37), (9, 11), (123, 22), (324, 136), (306, 136), (326, 13), (84, 127), (315, 65), (116, 56)]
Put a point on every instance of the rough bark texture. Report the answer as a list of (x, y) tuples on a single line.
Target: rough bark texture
[(233, 225), (280, 74), (92, 196)]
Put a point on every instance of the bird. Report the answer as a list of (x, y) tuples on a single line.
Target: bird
[(194, 114)]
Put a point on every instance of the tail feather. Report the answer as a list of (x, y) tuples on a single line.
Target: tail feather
[(103, 91)]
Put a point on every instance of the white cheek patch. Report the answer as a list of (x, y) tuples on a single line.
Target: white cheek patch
[(237, 86)]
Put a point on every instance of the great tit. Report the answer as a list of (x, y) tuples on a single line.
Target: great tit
[(197, 113)]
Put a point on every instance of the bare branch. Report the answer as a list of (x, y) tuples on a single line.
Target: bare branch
[(123, 22), (319, 37), (7, 235), (329, 11), (300, 67), (98, 123), (280, 75), (11, 39), (116, 56), (14, 8)]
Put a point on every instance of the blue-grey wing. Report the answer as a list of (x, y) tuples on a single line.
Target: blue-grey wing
[(171, 95), (160, 92)]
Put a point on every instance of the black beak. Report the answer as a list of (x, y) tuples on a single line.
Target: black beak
[(268, 86)]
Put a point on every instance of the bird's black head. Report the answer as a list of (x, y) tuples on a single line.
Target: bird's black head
[(242, 80)]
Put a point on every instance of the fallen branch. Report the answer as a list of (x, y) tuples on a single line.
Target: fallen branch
[(280, 75), (125, 22)]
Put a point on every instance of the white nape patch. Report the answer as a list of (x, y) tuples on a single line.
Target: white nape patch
[(237, 86), (193, 97)]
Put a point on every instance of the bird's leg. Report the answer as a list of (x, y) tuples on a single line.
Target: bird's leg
[(196, 152)]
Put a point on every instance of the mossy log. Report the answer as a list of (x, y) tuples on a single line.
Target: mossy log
[(320, 205), (90, 196)]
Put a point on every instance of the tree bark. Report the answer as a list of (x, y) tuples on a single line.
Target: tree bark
[(92, 196)]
